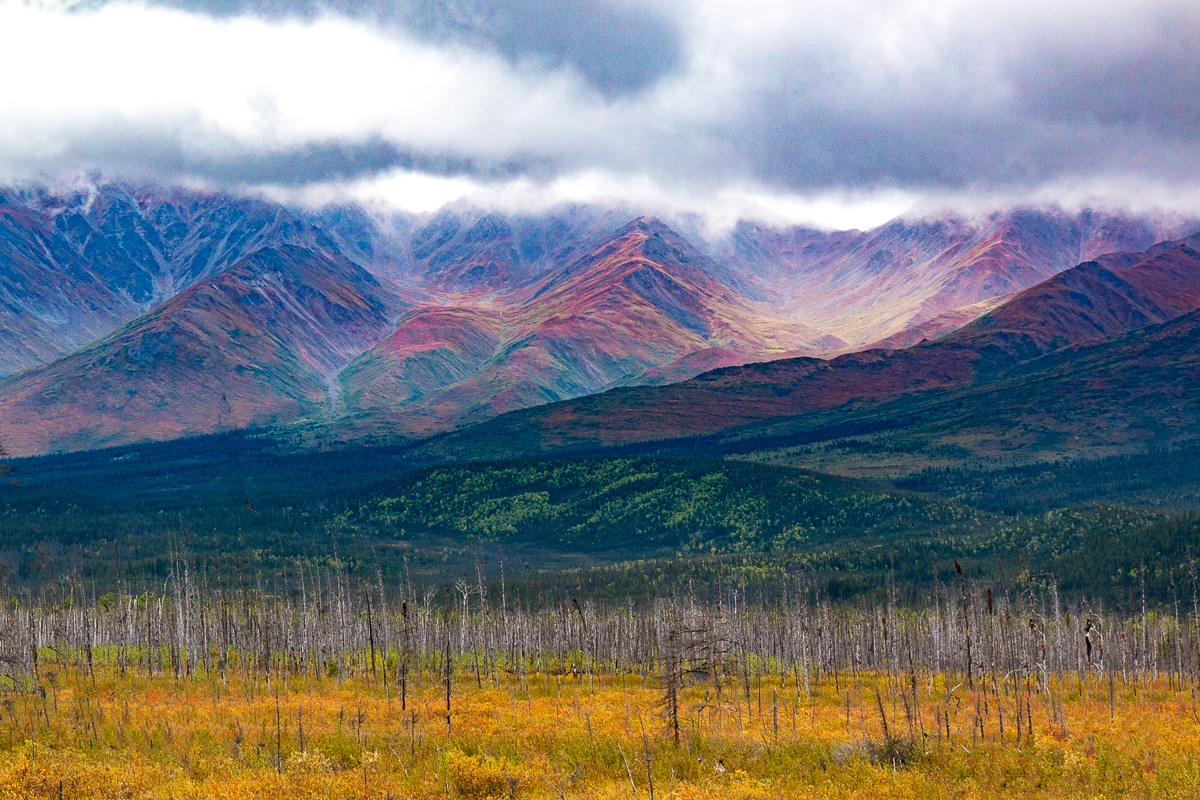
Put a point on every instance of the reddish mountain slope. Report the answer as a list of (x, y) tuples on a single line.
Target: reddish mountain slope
[(868, 286), (1091, 303), (1121, 395), (638, 300), (1141, 388), (75, 267), (256, 345), (945, 323), (431, 348), (1084, 305)]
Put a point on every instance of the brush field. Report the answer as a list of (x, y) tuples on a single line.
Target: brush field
[(337, 696), (555, 736)]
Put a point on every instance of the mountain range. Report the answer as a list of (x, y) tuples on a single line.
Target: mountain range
[(129, 314), (1101, 357)]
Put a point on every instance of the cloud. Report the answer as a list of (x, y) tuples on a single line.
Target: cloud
[(947, 96), (618, 47), (752, 107), (718, 211)]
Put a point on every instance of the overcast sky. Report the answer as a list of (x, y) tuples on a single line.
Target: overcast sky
[(836, 112)]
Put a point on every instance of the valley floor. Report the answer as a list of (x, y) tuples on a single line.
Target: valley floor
[(76, 734)]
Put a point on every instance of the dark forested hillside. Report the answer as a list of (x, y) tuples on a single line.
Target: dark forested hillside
[(1168, 479), (242, 508)]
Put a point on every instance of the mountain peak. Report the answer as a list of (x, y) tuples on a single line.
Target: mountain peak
[(1086, 306), (646, 224)]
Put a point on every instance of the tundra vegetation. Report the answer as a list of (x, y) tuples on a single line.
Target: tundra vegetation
[(328, 686)]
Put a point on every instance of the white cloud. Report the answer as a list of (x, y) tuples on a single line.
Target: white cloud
[(402, 189), (829, 112), (720, 211), (249, 82)]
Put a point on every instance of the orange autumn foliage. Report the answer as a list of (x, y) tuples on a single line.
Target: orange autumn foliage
[(74, 735)]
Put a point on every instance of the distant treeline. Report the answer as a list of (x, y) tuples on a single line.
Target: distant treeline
[(1166, 478)]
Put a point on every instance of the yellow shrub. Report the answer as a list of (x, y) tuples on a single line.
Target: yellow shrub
[(483, 776), (308, 762)]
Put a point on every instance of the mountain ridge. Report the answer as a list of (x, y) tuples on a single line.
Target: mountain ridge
[(250, 346), (633, 301), (727, 398), (485, 313)]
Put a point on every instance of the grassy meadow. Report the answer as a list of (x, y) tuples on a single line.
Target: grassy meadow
[(577, 736)]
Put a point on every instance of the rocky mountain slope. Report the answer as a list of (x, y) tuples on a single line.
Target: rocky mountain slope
[(258, 344), (75, 266), (641, 298), (864, 286)]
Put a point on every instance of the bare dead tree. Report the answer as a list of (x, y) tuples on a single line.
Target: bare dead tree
[(7, 469)]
